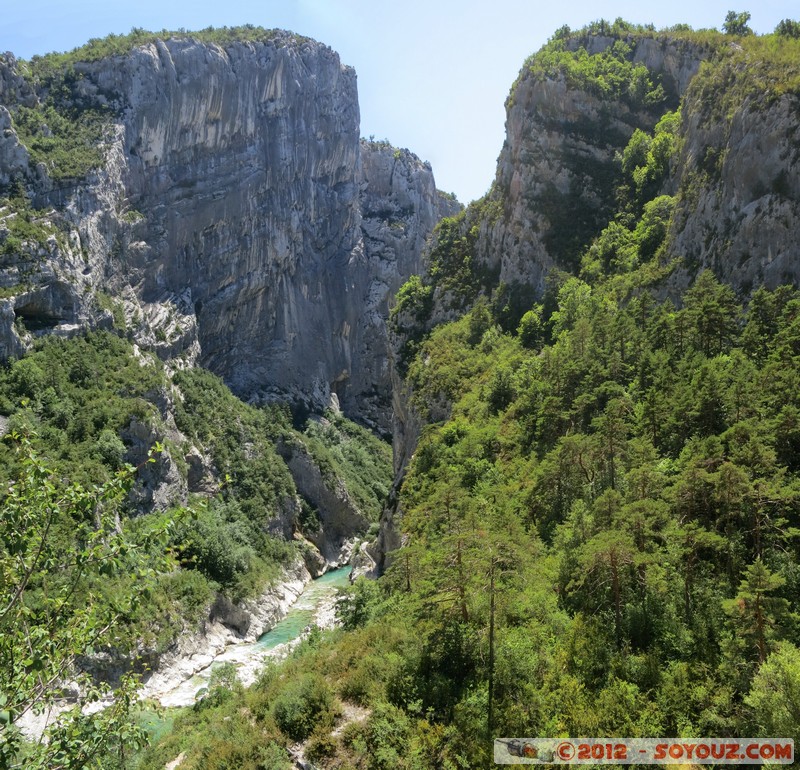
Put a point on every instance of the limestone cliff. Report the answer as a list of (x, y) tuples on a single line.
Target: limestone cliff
[(236, 214), (557, 172), (738, 179), (733, 179), (734, 175)]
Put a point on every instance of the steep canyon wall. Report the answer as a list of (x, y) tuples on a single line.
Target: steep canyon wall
[(237, 214)]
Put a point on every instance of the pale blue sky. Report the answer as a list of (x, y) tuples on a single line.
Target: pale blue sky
[(433, 75)]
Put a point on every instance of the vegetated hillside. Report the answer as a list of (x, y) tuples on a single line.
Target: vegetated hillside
[(598, 504), (596, 530), (214, 495), (604, 532), (94, 404)]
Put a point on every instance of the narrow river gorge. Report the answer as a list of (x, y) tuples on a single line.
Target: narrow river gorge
[(314, 607)]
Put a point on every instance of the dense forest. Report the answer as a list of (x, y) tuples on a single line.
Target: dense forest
[(599, 525), (603, 536), (86, 421)]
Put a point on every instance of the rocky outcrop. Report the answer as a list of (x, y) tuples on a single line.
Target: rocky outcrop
[(246, 225), (14, 89), (11, 346), (557, 172), (399, 208), (338, 515), (735, 178), (167, 674), (739, 176), (14, 159)]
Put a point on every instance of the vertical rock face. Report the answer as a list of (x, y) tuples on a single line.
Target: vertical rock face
[(399, 208), (238, 199), (557, 172), (739, 175), (243, 163), (734, 178)]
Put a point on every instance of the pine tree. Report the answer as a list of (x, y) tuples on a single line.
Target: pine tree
[(757, 614)]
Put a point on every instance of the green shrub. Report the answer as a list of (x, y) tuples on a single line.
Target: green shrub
[(321, 745), (736, 24), (414, 298), (191, 591), (386, 735), (530, 330), (788, 28), (303, 704), (67, 144), (240, 440), (609, 73), (110, 449), (356, 604)]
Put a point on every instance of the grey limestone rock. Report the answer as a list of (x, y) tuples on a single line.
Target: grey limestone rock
[(339, 515), (237, 195), (14, 159), (741, 217), (557, 171)]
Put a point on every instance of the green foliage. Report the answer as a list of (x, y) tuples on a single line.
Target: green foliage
[(452, 258), (223, 686), (42, 67), (409, 316), (756, 72), (356, 605), (58, 540), (618, 467), (25, 225), (239, 438), (600, 522), (755, 611), (78, 396), (610, 73), (775, 695), (454, 263), (66, 142), (79, 399), (645, 161), (736, 23), (301, 705), (349, 454), (530, 330), (788, 28), (230, 549), (115, 307), (386, 737), (712, 314), (415, 299)]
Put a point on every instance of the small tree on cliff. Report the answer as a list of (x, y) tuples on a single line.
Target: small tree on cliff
[(736, 23)]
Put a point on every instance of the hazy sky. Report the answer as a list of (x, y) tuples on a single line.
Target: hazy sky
[(433, 75)]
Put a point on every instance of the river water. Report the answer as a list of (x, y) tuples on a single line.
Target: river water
[(315, 606)]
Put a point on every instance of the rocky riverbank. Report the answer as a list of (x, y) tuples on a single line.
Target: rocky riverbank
[(315, 607), (228, 625)]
